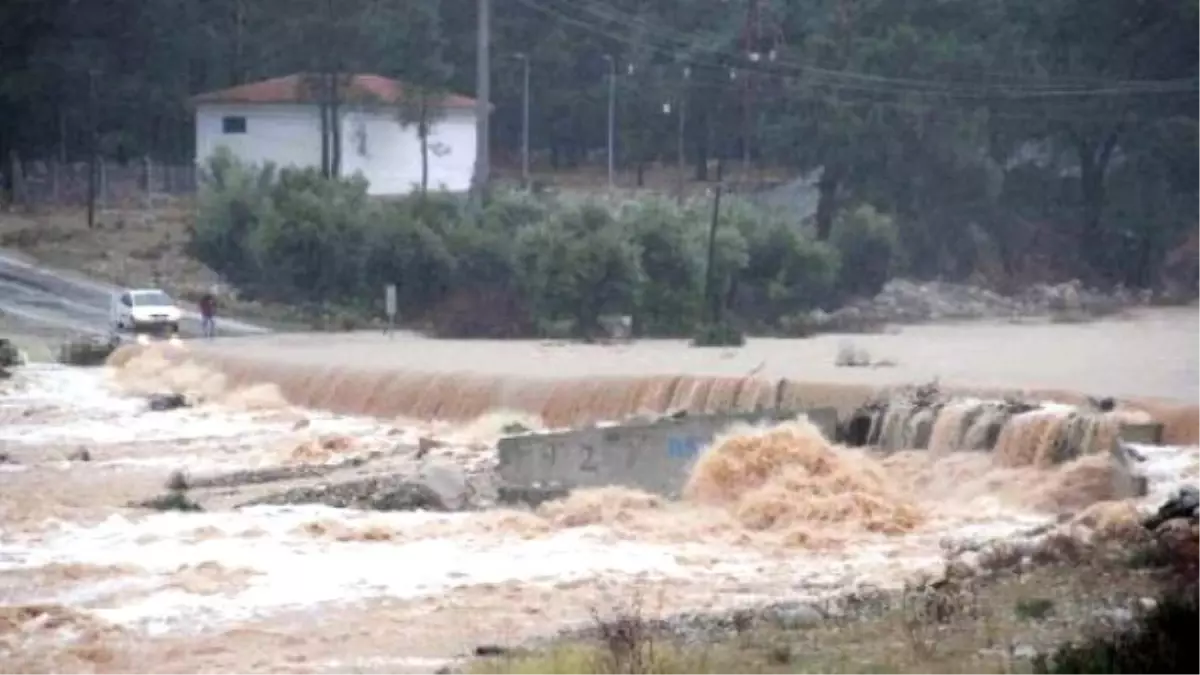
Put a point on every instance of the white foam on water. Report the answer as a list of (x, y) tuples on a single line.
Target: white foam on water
[(41, 383), (295, 569), (1166, 468), (292, 568), (75, 406)]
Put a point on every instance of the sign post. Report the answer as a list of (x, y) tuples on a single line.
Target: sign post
[(389, 301)]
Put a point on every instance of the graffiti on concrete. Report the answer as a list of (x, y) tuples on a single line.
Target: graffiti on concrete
[(683, 447)]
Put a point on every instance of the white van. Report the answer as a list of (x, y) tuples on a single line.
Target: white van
[(144, 310)]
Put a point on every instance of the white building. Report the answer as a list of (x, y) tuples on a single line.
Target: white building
[(278, 121)]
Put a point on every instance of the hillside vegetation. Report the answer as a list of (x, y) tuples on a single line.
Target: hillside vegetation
[(527, 264), (1018, 140)]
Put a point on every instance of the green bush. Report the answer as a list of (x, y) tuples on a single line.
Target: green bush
[(315, 239), (483, 300), (1163, 641), (792, 273), (731, 252), (234, 200), (409, 253), (671, 297), (579, 265), (869, 245), (524, 263), (508, 211)]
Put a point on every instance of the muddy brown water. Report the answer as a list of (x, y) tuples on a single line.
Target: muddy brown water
[(1149, 358)]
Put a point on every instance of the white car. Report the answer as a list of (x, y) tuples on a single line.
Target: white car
[(145, 310)]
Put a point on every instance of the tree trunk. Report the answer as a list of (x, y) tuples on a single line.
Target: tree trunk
[(641, 174), (827, 189), (1091, 185), (1093, 169), (702, 146), (324, 105), (237, 70), (424, 163), (423, 132), (335, 122)]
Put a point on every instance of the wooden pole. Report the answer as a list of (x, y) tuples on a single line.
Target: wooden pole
[(710, 272)]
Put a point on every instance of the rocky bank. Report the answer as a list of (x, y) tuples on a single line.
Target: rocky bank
[(906, 301)]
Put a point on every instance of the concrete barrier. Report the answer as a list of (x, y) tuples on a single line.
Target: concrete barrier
[(654, 456), (1129, 481), (1129, 478), (1150, 433)]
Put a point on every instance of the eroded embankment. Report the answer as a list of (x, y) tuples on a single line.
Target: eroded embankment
[(559, 402)]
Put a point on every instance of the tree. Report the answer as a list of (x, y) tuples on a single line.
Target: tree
[(421, 107)]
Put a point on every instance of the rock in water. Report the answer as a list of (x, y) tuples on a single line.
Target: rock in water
[(1184, 504), (852, 356), (406, 497), (449, 483), (160, 402), (378, 493), (86, 351), (10, 356)]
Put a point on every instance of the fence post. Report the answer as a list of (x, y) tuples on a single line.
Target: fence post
[(56, 181), (148, 175), (103, 185), (19, 193)]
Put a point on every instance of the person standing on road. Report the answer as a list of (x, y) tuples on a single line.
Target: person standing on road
[(208, 313)]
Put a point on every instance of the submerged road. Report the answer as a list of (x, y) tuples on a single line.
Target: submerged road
[(1151, 352), (63, 301)]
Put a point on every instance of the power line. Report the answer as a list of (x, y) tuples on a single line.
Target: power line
[(864, 82), (615, 16)]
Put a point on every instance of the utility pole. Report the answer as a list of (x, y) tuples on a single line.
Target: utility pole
[(483, 105), (679, 147), (335, 104), (714, 307), (612, 111), (92, 150), (750, 44), (524, 120)]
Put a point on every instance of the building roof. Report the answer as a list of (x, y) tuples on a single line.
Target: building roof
[(299, 88)]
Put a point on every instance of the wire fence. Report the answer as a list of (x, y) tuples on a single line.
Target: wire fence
[(130, 185)]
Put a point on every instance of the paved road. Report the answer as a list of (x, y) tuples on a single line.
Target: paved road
[(68, 302)]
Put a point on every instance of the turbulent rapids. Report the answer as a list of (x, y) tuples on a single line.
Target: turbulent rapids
[(265, 572)]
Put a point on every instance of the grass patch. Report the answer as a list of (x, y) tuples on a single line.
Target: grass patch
[(1163, 641), (1034, 609), (1013, 621)]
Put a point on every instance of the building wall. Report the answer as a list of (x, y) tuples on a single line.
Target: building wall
[(374, 144), (389, 155), (287, 135)]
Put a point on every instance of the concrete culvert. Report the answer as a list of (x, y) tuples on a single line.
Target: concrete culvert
[(857, 430)]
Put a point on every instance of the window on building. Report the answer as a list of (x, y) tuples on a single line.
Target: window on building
[(233, 125)]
